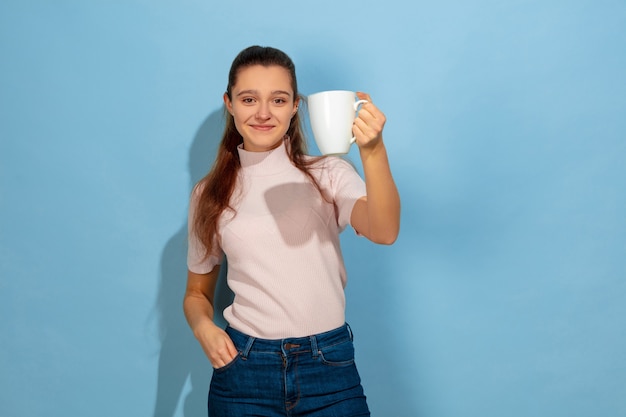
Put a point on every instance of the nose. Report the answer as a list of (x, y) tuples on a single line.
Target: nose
[(263, 111)]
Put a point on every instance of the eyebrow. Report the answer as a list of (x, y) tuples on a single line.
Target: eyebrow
[(275, 92)]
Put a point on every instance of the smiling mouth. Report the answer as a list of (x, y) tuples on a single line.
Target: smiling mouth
[(263, 127)]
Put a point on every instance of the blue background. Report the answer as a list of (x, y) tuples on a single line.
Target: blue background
[(505, 293)]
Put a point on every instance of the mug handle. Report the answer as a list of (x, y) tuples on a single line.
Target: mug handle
[(356, 108)]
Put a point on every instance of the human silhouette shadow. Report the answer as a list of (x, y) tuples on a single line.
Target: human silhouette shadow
[(181, 358)]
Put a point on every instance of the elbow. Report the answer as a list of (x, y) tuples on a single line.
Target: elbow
[(388, 241), (387, 237), (386, 232), (186, 305)]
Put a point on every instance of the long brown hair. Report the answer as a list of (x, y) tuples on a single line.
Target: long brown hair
[(217, 187)]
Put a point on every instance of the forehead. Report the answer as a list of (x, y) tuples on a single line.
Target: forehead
[(263, 79)]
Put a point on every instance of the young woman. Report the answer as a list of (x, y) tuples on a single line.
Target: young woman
[(276, 214)]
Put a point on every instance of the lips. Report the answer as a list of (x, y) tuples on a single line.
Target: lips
[(263, 128)]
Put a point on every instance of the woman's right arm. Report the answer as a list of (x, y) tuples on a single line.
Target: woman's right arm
[(198, 306)]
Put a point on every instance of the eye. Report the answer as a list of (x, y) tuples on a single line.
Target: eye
[(247, 100), (280, 101)]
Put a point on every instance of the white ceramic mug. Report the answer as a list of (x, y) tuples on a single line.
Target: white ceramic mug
[(332, 115)]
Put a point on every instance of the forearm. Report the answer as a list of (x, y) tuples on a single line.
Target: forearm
[(198, 302), (198, 312), (198, 307), (383, 200)]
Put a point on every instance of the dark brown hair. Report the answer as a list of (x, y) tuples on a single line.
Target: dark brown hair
[(217, 187)]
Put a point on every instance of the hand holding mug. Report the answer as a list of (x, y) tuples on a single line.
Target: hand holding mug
[(368, 125)]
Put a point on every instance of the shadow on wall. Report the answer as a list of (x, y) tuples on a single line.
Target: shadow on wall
[(181, 358)]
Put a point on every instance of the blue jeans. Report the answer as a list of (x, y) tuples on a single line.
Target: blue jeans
[(304, 376)]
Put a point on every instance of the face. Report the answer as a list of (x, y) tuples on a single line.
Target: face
[(262, 106)]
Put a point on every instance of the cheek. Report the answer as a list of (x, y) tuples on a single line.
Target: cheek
[(239, 123), (287, 115), (241, 115)]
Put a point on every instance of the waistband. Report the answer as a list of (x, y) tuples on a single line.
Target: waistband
[(246, 344)]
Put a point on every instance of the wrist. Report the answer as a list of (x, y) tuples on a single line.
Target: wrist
[(373, 150), (203, 326)]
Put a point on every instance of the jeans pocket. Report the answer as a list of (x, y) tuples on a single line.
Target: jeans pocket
[(341, 354), (228, 365)]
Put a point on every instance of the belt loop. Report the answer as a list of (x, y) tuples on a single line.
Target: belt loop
[(246, 350), (350, 332), (314, 346)]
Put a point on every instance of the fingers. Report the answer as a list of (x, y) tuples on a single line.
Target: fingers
[(223, 355), (218, 347), (232, 350), (362, 131), (369, 123), (363, 96), (369, 113)]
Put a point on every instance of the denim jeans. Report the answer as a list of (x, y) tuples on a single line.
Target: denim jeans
[(307, 376)]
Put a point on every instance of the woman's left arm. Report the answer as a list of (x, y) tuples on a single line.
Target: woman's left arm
[(376, 216)]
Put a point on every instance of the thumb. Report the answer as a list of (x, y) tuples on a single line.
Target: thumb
[(363, 96)]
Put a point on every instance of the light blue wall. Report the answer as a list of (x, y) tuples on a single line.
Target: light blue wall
[(504, 295)]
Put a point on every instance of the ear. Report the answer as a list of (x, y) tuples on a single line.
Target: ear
[(296, 104), (228, 104)]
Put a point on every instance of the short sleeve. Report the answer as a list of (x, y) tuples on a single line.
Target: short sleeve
[(197, 259), (346, 187)]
